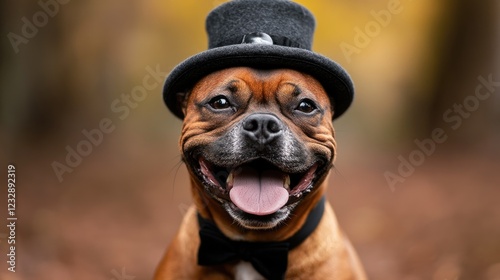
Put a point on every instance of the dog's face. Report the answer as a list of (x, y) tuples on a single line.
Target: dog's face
[(257, 143)]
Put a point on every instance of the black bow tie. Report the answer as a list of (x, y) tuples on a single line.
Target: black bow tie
[(270, 259)]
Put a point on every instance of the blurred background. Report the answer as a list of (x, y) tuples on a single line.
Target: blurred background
[(101, 189)]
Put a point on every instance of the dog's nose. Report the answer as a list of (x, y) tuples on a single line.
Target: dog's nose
[(262, 128)]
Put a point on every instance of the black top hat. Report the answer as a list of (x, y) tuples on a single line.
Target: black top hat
[(260, 34)]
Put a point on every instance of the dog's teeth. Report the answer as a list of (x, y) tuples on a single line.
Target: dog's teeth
[(286, 182), (229, 180)]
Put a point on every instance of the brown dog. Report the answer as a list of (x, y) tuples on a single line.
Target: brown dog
[(270, 127)]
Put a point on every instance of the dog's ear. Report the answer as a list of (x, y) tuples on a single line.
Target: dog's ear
[(182, 101)]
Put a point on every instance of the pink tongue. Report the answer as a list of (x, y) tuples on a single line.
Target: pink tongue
[(258, 194)]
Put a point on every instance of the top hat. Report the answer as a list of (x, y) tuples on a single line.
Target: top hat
[(262, 34)]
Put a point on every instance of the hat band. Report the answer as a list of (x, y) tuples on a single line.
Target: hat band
[(260, 38)]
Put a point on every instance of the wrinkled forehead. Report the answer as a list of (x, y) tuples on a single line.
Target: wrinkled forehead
[(261, 83)]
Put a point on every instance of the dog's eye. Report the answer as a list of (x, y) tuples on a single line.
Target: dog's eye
[(306, 106), (219, 103)]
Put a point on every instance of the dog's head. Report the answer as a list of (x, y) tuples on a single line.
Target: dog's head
[(258, 144)]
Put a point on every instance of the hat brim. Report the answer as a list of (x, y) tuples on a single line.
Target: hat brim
[(335, 80)]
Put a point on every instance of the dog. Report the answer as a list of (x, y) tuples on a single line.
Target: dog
[(243, 125), (258, 141)]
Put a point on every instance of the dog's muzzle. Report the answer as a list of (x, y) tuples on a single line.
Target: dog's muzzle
[(258, 169)]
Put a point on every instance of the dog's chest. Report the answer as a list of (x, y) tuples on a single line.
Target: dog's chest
[(245, 271)]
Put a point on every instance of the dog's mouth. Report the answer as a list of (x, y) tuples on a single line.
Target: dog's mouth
[(258, 187)]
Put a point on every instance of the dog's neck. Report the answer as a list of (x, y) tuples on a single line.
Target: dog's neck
[(310, 224)]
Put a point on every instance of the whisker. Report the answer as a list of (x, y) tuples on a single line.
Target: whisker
[(344, 179), (176, 167)]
